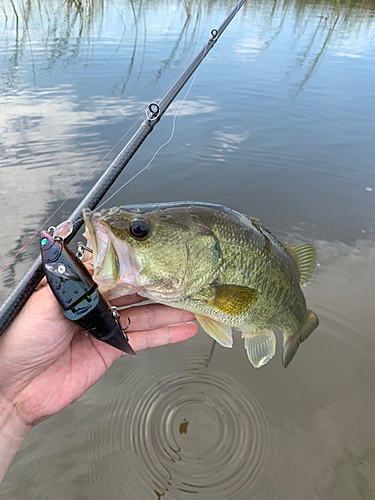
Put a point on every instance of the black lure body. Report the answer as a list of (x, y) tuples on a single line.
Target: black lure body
[(78, 294)]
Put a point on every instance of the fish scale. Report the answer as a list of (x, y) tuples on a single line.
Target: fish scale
[(225, 267)]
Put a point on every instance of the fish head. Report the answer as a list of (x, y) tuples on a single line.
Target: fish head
[(161, 249)]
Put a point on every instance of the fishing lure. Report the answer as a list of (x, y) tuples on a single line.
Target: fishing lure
[(78, 294)]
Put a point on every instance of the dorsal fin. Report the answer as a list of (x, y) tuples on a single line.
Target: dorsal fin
[(305, 257), (253, 219)]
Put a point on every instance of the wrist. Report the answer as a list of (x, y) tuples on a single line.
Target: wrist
[(11, 420), (13, 430)]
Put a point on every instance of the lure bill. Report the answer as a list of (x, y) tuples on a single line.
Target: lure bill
[(78, 294)]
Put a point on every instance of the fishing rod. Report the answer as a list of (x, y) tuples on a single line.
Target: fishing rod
[(25, 287)]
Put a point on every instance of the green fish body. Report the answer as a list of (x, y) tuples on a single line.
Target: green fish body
[(225, 267)]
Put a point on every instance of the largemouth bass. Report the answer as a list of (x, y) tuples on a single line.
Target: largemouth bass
[(225, 267)]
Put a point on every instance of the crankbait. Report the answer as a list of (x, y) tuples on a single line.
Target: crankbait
[(78, 294)]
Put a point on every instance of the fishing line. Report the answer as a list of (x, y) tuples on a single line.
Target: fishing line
[(214, 33), (25, 287), (101, 161), (71, 194), (162, 146), (165, 143)]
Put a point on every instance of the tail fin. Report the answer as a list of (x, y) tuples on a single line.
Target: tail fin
[(291, 344)]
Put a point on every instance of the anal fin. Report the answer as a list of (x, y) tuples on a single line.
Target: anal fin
[(260, 347), (216, 330)]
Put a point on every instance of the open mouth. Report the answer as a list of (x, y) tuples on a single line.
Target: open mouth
[(104, 257), (113, 262)]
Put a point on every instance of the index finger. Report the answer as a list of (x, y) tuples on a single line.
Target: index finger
[(152, 316)]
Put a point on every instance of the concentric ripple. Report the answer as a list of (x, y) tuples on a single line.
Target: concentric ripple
[(195, 430)]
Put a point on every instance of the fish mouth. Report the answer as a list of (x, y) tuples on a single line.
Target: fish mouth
[(104, 256), (97, 237), (111, 258)]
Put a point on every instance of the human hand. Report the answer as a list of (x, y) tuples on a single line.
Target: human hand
[(47, 362)]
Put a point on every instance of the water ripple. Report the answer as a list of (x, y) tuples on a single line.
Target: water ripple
[(195, 431)]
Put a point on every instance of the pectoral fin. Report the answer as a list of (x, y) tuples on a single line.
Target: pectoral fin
[(260, 347), (305, 257), (216, 330), (233, 299)]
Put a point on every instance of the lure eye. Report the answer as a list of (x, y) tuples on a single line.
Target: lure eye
[(139, 228)]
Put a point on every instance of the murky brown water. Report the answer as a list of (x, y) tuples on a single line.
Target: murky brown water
[(279, 125)]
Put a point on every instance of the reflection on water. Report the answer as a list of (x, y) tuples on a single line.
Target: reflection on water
[(278, 124)]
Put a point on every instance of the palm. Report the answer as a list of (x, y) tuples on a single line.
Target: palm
[(51, 363)]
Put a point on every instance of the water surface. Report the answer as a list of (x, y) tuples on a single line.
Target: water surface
[(279, 124)]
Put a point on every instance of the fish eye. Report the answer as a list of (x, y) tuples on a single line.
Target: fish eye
[(139, 228)]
